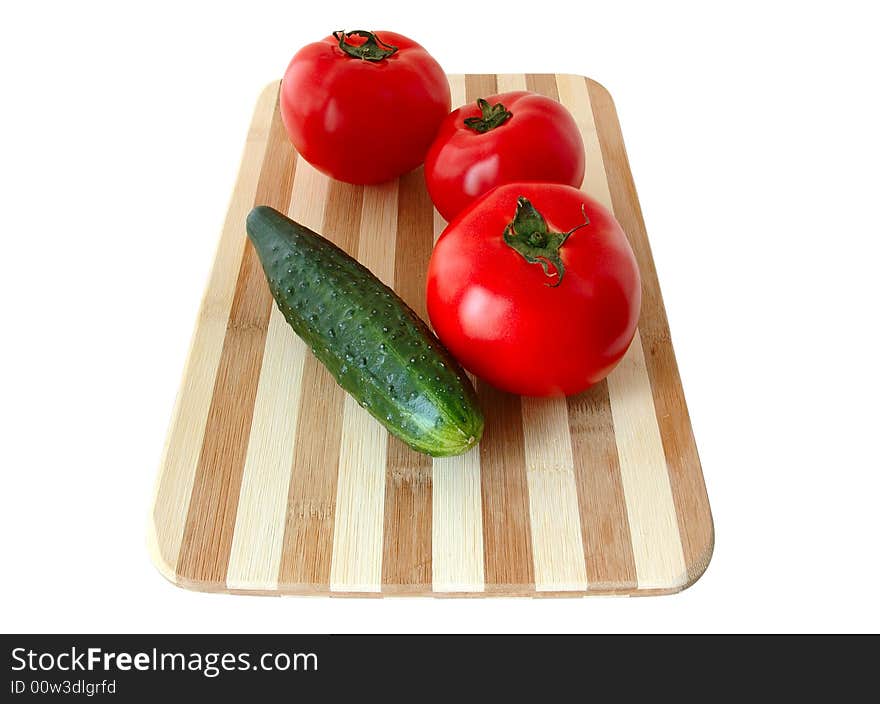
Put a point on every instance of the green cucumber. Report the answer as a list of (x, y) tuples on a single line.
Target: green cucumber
[(373, 344)]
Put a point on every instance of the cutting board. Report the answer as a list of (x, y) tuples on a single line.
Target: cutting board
[(274, 481)]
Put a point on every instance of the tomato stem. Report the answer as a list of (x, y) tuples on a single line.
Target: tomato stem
[(492, 116), (529, 235), (373, 49)]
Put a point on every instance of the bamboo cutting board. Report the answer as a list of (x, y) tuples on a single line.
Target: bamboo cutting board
[(274, 481)]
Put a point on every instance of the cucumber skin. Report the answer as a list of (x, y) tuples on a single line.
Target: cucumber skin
[(373, 344)]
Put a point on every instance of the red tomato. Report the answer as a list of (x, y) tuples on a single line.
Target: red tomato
[(535, 289), (363, 107), (517, 136)]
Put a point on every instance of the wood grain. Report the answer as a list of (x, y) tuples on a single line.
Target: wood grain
[(356, 563), (207, 537), (274, 481), (650, 508), (457, 91), (553, 498), (685, 473), (311, 497), (507, 541), (457, 517), (479, 85), (180, 455), (262, 505), (406, 563), (508, 82), (604, 522), (543, 83), (457, 524), (503, 483), (656, 543)]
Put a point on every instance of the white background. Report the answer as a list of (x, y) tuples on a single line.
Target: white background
[(752, 134)]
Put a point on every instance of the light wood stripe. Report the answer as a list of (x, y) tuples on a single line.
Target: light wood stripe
[(360, 496), (685, 474), (604, 523), (262, 505), (510, 81), (507, 559), (406, 564), (207, 538), (311, 499), (180, 455), (457, 525), (553, 500), (457, 531), (457, 90), (573, 94), (657, 549)]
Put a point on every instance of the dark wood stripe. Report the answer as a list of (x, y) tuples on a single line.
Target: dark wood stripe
[(406, 554), (479, 85), (604, 525), (415, 240), (507, 539), (543, 83), (685, 474), (311, 498), (207, 537), (406, 558)]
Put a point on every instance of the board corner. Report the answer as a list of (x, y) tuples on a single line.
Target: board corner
[(599, 90), (161, 561), (697, 568), (269, 91)]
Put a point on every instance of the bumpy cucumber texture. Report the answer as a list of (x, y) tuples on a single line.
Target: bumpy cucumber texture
[(372, 343)]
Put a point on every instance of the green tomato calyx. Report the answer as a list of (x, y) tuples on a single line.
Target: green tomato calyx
[(492, 116), (529, 235), (373, 49)]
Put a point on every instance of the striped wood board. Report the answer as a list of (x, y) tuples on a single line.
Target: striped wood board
[(274, 481)]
